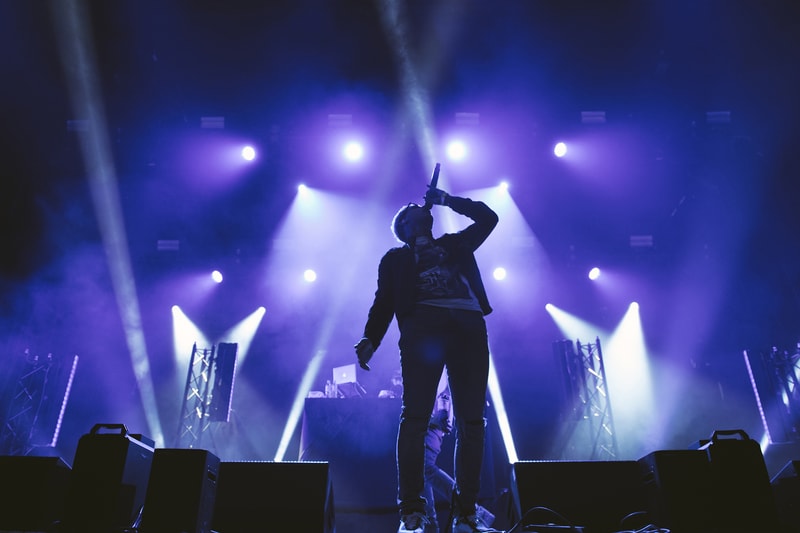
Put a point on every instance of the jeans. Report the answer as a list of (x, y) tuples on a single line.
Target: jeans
[(430, 339)]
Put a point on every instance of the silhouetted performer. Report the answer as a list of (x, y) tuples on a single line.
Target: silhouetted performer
[(434, 289)]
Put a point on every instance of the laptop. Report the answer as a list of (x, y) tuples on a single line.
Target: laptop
[(344, 374), (345, 384)]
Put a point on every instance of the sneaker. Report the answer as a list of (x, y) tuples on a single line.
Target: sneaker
[(413, 523), (470, 524)]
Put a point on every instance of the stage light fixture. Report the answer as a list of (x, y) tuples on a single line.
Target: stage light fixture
[(641, 241), (353, 151), (248, 153), (468, 119), (168, 245), (718, 117), (593, 117), (456, 150), (339, 120), (212, 123)]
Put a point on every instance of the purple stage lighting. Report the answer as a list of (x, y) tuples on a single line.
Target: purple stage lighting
[(456, 151), (217, 276), (310, 276), (353, 151), (499, 273), (248, 153), (560, 149), (594, 273)]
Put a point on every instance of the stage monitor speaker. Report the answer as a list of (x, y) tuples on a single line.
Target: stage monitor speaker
[(32, 492), (677, 486), (786, 488), (741, 496), (109, 480), (595, 495), (181, 491), (288, 496)]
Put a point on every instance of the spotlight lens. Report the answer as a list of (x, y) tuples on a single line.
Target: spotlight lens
[(353, 151), (594, 273), (560, 149), (499, 273), (456, 150), (248, 153), (217, 276), (309, 275)]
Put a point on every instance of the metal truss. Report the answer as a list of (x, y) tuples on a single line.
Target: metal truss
[(775, 378), (589, 429), (196, 398), (208, 392), (33, 419)]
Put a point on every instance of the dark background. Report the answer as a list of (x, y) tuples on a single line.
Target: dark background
[(719, 199)]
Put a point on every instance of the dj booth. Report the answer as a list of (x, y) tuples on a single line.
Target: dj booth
[(357, 436)]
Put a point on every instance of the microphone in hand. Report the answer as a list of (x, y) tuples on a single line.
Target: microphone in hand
[(433, 185), (435, 197)]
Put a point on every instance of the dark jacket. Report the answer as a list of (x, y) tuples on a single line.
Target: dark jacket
[(396, 292)]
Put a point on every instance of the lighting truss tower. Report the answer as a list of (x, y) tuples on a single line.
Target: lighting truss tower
[(208, 392), (589, 431), (36, 404), (775, 378)]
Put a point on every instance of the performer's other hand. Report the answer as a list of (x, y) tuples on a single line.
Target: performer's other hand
[(364, 352)]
